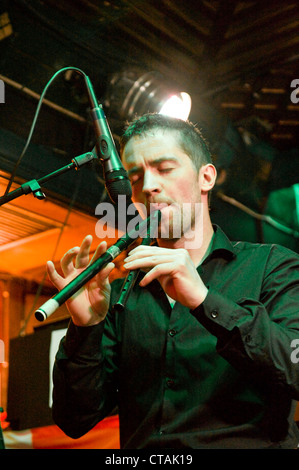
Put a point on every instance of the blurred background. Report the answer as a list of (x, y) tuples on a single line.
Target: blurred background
[(236, 63)]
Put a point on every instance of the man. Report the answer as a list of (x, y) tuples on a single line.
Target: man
[(201, 356)]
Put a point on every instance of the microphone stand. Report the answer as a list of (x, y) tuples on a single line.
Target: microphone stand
[(34, 186), (2, 444)]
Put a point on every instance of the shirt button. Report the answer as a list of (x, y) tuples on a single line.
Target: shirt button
[(247, 338), (170, 383), (172, 332), (214, 314)]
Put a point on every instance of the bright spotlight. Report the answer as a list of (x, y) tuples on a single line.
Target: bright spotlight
[(131, 95), (177, 106)]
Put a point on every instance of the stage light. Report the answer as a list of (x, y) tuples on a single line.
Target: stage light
[(178, 106), (130, 95)]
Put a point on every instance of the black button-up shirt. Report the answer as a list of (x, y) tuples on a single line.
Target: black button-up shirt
[(224, 375)]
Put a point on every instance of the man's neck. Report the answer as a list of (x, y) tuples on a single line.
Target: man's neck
[(197, 253)]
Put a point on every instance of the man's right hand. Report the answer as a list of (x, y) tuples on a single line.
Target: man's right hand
[(89, 305)]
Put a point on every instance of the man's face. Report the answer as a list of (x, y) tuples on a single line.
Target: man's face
[(161, 173)]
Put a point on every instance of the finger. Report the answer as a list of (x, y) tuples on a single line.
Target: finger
[(144, 249), (144, 252), (66, 263), (102, 277), (156, 272), (55, 278), (82, 258), (100, 250), (150, 250), (135, 262)]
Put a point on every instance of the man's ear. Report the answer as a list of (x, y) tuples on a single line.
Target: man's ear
[(207, 177)]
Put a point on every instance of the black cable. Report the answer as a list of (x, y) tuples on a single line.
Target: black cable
[(34, 122)]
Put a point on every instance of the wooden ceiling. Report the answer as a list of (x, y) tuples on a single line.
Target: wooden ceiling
[(239, 57)]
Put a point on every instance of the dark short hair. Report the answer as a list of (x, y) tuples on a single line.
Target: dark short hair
[(190, 137)]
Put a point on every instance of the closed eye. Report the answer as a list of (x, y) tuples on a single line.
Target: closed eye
[(165, 170)]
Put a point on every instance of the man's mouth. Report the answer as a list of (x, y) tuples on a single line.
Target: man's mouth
[(154, 206)]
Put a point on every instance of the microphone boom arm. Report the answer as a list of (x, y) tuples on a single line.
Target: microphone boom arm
[(34, 186)]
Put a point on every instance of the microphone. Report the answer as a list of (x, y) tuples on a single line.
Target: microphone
[(146, 228), (116, 178)]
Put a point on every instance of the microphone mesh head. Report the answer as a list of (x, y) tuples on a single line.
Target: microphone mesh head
[(118, 184)]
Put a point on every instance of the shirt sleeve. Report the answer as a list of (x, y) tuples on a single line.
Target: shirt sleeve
[(256, 335), (84, 389)]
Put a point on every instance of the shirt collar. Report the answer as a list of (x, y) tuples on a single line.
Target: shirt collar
[(221, 245)]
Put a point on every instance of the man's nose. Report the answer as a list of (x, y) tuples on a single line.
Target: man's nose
[(150, 183)]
